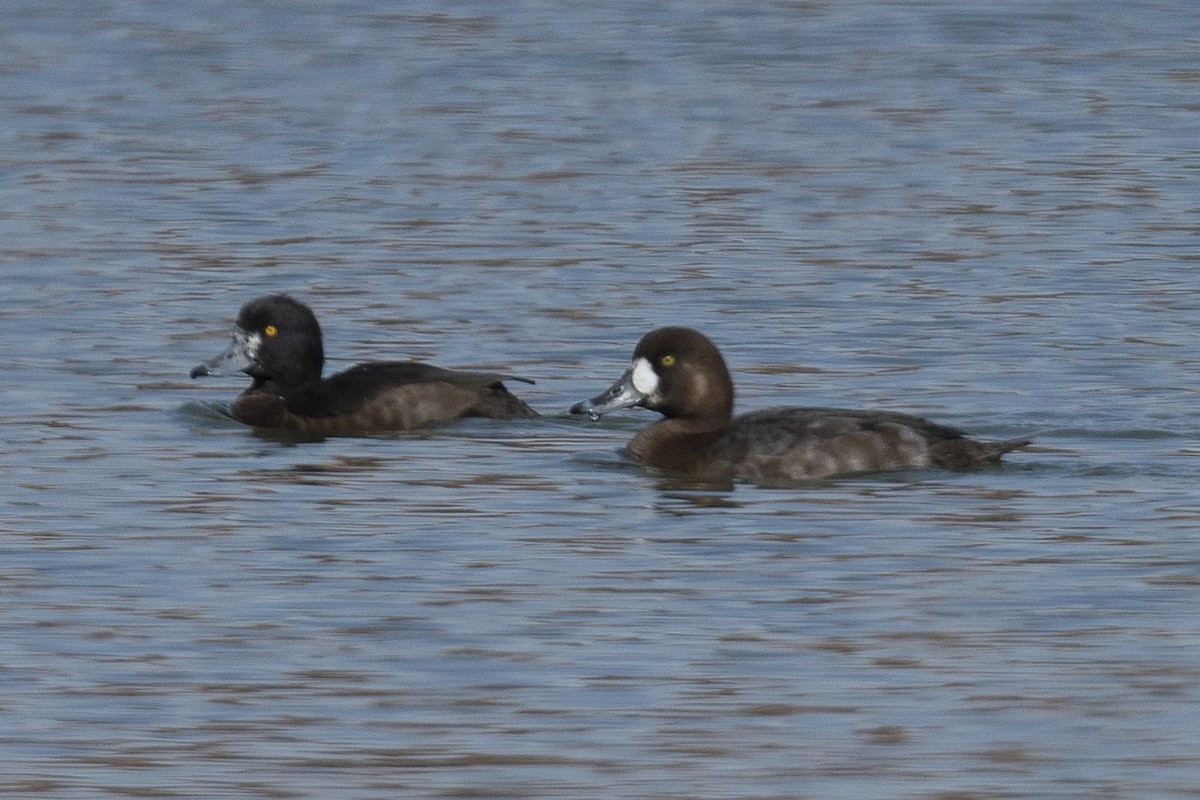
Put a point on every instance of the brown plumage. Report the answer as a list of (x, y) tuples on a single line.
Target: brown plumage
[(680, 373), (278, 343)]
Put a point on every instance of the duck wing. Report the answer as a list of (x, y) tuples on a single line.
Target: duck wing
[(397, 395), (796, 444)]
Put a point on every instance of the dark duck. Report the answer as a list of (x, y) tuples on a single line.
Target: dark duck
[(277, 342), (679, 373)]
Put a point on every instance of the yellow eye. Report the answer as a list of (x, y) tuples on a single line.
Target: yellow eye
[(667, 361), (270, 330)]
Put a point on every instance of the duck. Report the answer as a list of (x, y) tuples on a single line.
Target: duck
[(680, 373), (277, 341)]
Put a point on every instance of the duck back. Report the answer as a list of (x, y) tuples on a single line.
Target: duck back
[(796, 444)]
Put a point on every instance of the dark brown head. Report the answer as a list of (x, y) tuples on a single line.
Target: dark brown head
[(277, 342), (676, 371)]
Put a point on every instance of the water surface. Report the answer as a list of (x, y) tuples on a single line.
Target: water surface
[(982, 213)]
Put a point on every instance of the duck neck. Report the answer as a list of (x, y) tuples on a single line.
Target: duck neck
[(679, 445)]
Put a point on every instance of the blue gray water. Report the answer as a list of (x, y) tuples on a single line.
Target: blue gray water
[(985, 212)]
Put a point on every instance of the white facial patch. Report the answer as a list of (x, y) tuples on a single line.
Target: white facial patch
[(644, 378), (250, 343)]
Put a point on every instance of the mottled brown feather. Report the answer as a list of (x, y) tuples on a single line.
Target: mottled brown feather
[(784, 445)]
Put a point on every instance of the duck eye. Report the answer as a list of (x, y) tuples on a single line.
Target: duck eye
[(270, 330), (667, 361)]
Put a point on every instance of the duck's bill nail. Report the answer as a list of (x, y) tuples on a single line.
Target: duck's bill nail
[(236, 358), (622, 394)]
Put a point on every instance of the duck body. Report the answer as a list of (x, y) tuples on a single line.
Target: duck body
[(278, 343), (680, 373)]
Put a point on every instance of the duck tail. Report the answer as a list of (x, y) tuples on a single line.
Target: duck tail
[(966, 453)]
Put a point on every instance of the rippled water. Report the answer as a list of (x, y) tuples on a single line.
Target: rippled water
[(982, 212)]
